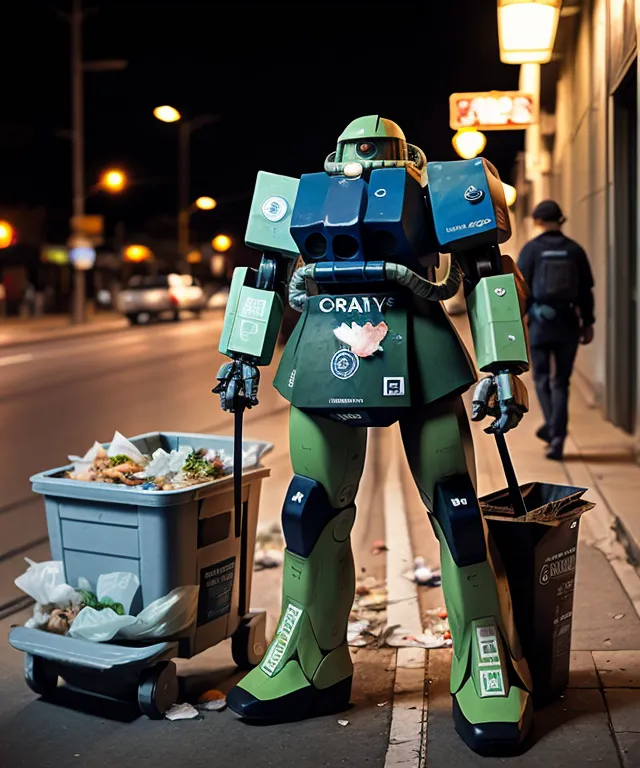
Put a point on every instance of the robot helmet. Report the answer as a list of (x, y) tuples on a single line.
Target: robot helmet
[(374, 142)]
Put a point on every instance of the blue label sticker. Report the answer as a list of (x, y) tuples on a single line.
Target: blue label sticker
[(344, 364)]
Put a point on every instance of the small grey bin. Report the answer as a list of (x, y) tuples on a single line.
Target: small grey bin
[(168, 539)]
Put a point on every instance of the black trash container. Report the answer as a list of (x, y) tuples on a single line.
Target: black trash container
[(538, 550)]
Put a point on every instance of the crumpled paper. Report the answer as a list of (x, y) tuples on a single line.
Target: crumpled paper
[(119, 445), (163, 463)]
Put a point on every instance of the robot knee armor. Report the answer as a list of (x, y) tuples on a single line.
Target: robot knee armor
[(305, 514)]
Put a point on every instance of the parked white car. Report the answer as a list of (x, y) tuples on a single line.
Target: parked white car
[(146, 297)]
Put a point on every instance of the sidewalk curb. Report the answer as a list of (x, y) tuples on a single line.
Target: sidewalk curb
[(408, 713), (90, 330)]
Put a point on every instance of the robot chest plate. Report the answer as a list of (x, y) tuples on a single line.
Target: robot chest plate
[(354, 221)]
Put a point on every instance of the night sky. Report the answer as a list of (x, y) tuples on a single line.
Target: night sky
[(285, 78)]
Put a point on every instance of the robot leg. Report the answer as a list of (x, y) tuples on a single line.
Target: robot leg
[(307, 669), (490, 681)]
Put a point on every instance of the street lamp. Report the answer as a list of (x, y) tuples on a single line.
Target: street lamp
[(113, 180), (168, 114), (7, 234), (137, 253), (527, 30), (205, 203), (510, 194), (469, 142), (221, 243)]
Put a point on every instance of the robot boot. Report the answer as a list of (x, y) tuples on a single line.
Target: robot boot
[(490, 679), (307, 669)]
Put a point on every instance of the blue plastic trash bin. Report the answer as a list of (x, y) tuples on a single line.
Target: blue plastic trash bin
[(168, 539)]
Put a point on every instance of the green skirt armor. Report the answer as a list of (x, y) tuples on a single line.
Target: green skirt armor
[(366, 358)]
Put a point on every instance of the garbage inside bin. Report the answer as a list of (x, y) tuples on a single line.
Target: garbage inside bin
[(104, 613), (538, 551), (123, 463)]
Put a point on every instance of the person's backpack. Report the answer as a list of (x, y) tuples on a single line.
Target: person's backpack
[(555, 277)]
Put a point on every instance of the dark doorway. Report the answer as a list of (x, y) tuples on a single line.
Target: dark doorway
[(623, 322)]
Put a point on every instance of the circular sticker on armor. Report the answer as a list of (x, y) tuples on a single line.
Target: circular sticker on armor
[(275, 208), (344, 364), (473, 194)]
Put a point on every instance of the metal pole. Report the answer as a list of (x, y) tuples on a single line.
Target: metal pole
[(183, 189), (78, 147)]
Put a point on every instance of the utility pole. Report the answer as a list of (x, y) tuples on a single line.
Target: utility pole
[(183, 188), (77, 95), (78, 68)]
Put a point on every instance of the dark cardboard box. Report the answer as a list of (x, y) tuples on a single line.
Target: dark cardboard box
[(538, 551)]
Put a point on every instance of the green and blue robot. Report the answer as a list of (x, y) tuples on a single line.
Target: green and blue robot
[(355, 249)]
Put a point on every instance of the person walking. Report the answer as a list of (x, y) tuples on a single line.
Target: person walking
[(560, 317)]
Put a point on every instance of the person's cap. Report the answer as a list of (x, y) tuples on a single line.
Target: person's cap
[(548, 210)]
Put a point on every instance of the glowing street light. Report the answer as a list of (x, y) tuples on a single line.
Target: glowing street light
[(167, 114), (206, 203), (527, 30), (469, 142), (194, 257), (7, 234), (221, 243), (113, 180), (510, 194), (137, 253)]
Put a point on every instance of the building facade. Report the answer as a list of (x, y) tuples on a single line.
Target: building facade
[(584, 154)]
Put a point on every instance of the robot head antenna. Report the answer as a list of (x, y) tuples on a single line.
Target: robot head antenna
[(374, 142)]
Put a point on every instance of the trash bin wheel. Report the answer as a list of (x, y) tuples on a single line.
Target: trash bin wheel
[(158, 689), (41, 679), (249, 641)]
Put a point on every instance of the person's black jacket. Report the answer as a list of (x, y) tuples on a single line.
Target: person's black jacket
[(530, 257)]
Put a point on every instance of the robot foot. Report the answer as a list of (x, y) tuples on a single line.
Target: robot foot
[(499, 737), (257, 702)]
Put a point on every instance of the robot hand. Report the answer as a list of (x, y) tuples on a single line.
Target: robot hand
[(237, 386), (504, 397)]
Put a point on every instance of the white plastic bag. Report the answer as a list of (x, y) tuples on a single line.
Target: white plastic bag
[(98, 626), (119, 586), (103, 625), (45, 583), (164, 617)]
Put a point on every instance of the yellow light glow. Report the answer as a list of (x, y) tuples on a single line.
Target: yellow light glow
[(167, 114), (221, 243), (114, 180), (194, 257), (217, 264), (510, 194), (206, 203), (469, 143), (137, 253), (527, 30), (6, 234)]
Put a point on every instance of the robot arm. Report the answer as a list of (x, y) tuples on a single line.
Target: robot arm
[(471, 220), (256, 297)]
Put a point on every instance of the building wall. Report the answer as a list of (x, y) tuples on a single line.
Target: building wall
[(580, 175), (579, 167)]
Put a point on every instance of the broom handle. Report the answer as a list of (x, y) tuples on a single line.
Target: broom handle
[(515, 494)]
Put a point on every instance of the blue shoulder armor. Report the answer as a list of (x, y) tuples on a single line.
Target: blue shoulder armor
[(468, 204)]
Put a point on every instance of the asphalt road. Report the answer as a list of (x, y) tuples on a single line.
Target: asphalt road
[(56, 398)]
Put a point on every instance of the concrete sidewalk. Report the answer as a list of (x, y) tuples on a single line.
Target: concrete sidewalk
[(18, 331)]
